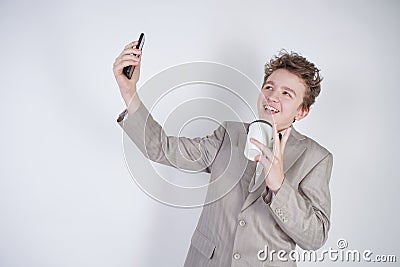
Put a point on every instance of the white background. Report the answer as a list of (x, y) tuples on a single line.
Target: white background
[(66, 196)]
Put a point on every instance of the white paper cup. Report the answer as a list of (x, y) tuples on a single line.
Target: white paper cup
[(262, 131)]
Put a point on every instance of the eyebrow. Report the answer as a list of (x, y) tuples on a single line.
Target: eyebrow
[(284, 87)]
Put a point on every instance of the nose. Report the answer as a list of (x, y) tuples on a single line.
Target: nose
[(273, 99), (272, 96)]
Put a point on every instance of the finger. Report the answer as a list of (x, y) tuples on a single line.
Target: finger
[(128, 57), (122, 62), (266, 163), (131, 44), (129, 51), (264, 150), (119, 67), (277, 142), (132, 51), (285, 138)]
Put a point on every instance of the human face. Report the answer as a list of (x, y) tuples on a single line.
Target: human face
[(281, 98)]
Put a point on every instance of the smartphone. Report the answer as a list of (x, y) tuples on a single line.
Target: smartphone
[(128, 70)]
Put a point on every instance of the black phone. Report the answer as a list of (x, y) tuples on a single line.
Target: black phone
[(128, 70)]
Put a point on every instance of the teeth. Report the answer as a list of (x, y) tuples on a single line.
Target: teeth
[(271, 108)]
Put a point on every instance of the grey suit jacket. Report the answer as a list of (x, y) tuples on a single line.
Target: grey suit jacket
[(240, 227)]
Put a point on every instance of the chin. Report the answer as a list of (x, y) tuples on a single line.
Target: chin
[(266, 118)]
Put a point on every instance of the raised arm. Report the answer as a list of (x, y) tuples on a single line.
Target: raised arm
[(195, 154)]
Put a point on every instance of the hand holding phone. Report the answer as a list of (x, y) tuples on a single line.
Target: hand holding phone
[(128, 70)]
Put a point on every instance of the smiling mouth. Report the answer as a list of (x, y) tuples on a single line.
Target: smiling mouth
[(270, 109)]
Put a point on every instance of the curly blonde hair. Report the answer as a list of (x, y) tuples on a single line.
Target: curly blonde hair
[(302, 68)]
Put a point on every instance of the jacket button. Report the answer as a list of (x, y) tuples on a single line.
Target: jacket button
[(242, 223), (236, 256)]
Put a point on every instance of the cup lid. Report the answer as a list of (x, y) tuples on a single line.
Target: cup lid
[(263, 121)]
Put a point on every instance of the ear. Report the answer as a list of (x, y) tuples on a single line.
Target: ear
[(302, 113)]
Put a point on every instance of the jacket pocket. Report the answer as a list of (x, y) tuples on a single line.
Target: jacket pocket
[(203, 244)]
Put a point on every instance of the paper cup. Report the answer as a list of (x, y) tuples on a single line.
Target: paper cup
[(262, 131)]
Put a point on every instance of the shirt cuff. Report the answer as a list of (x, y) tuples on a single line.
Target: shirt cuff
[(268, 195)]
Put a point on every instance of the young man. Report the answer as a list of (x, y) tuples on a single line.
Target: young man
[(291, 207)]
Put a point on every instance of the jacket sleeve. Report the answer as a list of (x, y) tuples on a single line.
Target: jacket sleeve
[(303, 213), (195, 154)]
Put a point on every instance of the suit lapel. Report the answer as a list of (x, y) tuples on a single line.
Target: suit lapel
[(293, 150), (247, 167), (256, 192)]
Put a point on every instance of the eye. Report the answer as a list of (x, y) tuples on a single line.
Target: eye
[(268, 87), (286, 93)]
